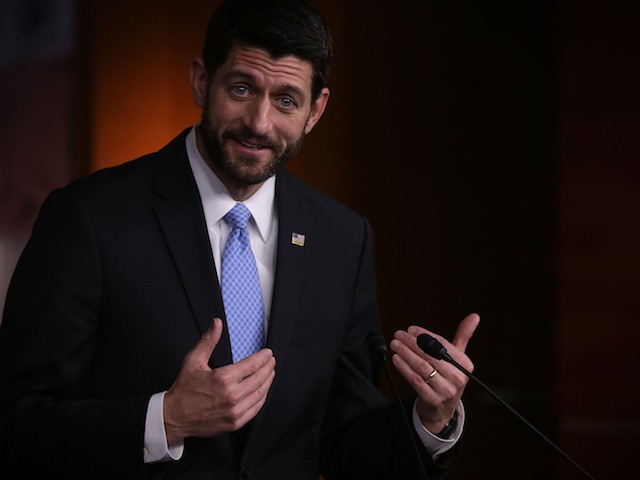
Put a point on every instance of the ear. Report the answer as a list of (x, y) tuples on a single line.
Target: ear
[(317, 109), (199, 81)]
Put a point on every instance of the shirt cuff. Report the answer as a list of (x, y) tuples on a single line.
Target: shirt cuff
[(155, 437), (435, 445)]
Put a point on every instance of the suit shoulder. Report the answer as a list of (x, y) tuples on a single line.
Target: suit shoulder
[(325, 210), (316, 197), (111, 177), (132, 176)]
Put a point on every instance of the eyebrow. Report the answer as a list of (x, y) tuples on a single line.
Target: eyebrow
[(234, 75)]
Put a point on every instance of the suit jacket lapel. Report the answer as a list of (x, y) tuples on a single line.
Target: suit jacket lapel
[(291, 265), (291, 268), (179, 212)]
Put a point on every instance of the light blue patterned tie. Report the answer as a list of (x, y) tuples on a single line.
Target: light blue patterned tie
[(241, 287)]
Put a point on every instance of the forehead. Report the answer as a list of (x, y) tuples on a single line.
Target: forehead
[(262, 67)]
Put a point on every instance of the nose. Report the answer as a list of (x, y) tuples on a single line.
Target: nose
[(258, 116)]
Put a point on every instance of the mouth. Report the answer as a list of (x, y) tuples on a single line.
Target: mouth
[(252, 146), (248, 143)]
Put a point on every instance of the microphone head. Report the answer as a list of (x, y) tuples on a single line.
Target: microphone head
[(431, 346), (377, 343)]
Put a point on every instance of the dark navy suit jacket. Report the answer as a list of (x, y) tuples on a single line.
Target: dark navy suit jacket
[(118, 283)]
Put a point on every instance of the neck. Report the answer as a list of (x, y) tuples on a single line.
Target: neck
[(237, 192)]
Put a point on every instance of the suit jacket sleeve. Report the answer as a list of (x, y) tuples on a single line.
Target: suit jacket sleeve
[(49, 334)]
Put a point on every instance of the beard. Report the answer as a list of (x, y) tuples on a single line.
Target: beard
[(244, 170)]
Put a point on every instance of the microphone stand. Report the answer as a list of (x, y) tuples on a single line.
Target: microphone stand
[(434, 348), (378, 345)]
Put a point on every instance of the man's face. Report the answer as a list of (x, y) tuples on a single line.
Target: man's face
[(256, 112)]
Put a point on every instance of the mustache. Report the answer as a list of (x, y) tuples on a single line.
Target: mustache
[(246, 135)]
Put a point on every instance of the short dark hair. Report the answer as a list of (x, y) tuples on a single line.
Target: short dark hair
[(280, 27)]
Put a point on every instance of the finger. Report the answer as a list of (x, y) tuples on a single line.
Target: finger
[(257, 400), (415, 377), (404, 345), (247, 395), (259, 384), (199, 356), (253, 363), (408, 340), (465, 331), (438, 392)]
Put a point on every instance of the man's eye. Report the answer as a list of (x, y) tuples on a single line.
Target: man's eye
[(240, 90), (287, 102)]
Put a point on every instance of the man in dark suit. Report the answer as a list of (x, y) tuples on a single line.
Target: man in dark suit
[(118, 358)]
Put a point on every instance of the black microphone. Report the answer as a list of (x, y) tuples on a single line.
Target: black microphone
[(378, 345), (434, 348)]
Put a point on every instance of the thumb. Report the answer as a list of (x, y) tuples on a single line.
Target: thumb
[(199, 356), (465, 330)]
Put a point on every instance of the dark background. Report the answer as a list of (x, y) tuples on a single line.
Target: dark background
[(493, 145)]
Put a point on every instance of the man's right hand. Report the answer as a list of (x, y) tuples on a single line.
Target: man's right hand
[(203, 402)]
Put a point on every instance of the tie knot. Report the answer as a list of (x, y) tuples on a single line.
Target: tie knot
[(238, 216)]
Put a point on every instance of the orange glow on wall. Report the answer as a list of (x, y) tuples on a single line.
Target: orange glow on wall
[(139, 91)]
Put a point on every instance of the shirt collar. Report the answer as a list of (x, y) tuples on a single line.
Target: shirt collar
[(216, 199)]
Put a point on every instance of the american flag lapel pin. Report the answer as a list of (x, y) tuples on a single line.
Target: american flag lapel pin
[(297, 239)]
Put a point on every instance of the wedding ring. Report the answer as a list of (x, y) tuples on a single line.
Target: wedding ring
[(431, 375)]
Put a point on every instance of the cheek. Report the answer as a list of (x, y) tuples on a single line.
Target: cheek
[(222, 111), (293, 128), (222, 119)]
